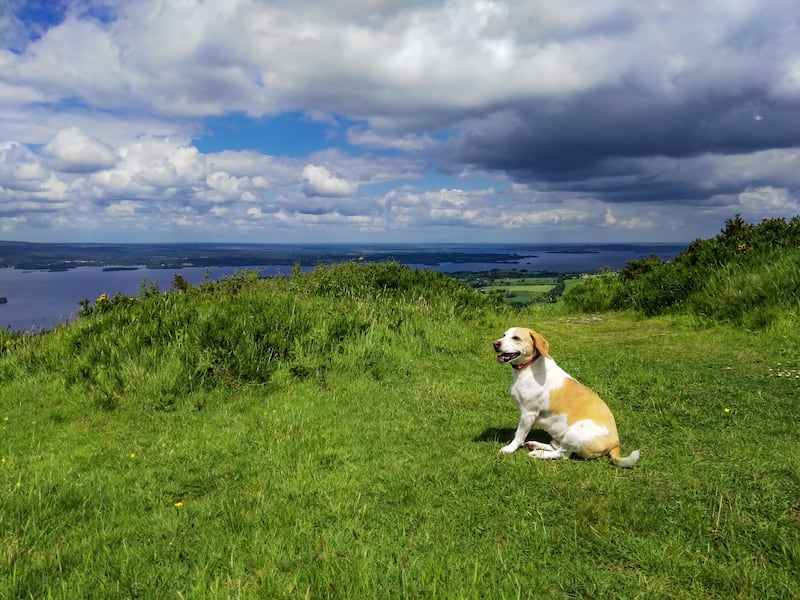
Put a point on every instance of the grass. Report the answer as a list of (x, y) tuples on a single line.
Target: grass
[(571, 283), (362, 460), (747, 276)]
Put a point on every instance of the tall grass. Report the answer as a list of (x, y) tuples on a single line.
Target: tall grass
[(755, 295), (243, 330), (748, 276)]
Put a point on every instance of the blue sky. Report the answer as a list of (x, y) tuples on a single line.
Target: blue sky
[(389, 120)]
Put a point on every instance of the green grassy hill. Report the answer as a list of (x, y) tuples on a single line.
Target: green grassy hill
[(749, 276), (335, 434)]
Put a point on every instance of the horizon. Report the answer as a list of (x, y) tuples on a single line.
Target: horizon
[(423, 122), (365, 243)]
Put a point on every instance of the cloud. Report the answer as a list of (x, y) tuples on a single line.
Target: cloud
[(769, 201), (457, 114), (636, 223), (75, 152), (12, 29), (19, 168), (409, 142), (413, 63), (318, 181)]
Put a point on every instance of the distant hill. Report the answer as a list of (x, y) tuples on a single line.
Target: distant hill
[(24, 255)]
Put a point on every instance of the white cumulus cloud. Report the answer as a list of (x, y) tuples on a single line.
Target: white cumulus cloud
[(318, 181), (769, 200), (76, 152)]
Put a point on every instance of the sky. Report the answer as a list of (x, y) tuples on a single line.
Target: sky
[(270, 121)]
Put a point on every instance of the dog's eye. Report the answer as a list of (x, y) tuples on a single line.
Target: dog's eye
[(516, 338)]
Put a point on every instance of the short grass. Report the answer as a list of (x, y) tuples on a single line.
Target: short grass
[(388, 484)]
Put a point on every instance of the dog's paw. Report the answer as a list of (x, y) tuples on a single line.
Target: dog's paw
[(508, 449), (533, 445)]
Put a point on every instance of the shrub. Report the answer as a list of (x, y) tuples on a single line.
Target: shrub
[(598, 293)]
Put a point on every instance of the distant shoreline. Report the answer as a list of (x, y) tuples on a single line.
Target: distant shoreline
[(113, 257), (40, 299)]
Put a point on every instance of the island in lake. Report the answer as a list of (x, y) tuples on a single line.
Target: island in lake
[(122, 257), (60, 257)]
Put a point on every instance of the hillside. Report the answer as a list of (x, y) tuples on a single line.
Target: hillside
[(335, 434), (242, 330), (749, 276)]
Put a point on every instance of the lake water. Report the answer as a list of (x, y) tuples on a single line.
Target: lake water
[(41, 300)]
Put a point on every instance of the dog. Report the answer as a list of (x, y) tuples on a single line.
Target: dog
[(578, 421)]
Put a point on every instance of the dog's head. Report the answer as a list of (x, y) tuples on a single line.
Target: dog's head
[(519, 345)]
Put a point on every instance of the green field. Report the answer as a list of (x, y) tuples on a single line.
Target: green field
[(539, 285), (524, 290), (335, 434)]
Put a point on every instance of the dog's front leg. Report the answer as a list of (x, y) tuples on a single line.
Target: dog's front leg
[(526, 421)]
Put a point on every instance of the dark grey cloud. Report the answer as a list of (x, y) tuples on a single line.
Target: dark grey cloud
[(688, 82), (591, 143)]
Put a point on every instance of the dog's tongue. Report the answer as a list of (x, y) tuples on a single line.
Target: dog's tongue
[(504, 358)]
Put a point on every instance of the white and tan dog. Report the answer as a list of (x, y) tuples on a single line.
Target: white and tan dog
[(578, 421)]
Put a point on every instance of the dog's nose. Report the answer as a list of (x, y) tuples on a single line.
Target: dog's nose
[(496, 344)]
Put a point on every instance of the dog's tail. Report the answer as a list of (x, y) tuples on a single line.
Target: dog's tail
[(626, 462)]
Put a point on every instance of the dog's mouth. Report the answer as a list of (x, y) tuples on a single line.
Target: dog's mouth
[(505, 357)]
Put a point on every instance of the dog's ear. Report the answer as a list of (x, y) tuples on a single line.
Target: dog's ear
[(540, 344)]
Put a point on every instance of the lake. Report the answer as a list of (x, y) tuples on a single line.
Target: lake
[(41, 300)]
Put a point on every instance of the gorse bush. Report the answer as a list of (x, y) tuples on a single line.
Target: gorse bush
[(748, 275), (244, 331)]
